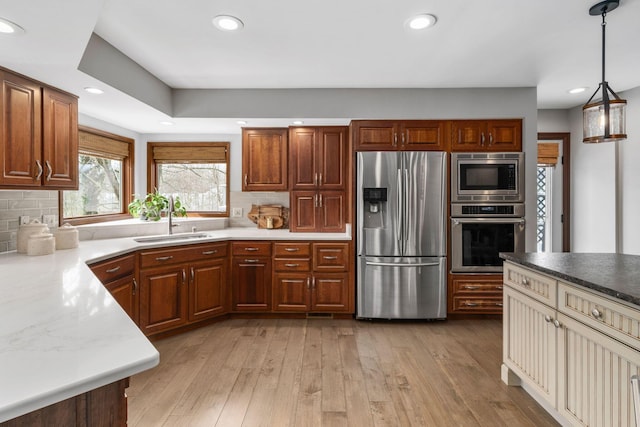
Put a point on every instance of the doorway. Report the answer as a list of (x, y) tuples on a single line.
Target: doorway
[(553, 225)]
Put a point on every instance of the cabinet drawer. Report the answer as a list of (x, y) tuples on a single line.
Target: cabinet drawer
[(331, 256), (173, 255), (115, 268), (487, 304), (251, 248), (476, 286), (292, 264), (291, 249), (537, 286), (608, 316)]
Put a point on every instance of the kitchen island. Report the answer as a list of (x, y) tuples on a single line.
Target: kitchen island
[(571, 333), (62, 334)]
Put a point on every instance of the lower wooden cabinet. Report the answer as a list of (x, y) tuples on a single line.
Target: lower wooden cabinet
[(208, 289), (118, 276), (251, 276), (105, 406), (318, 284), (182, 292), (475, 293)]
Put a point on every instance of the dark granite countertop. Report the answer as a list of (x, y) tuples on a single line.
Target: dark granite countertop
[(611, 274)]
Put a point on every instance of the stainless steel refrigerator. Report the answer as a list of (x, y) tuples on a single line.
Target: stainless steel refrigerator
[(401, 235)]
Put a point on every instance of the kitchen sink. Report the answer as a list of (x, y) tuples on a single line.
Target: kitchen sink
[(170, 237)]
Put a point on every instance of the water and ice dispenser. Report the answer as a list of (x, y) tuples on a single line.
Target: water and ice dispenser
[(374, 203)]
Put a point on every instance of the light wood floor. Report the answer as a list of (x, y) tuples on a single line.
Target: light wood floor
[(321, 372)]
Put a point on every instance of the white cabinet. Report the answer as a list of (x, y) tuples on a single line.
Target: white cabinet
[(576, 349)]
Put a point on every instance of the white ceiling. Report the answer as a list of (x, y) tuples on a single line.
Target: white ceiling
[(549, 44)]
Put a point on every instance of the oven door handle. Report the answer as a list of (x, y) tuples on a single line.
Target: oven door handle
[(391, 264), (458, 221)]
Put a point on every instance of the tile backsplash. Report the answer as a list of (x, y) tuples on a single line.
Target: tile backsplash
[(35, 203), (17, 203)]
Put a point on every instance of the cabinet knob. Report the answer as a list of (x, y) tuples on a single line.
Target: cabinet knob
[(547, 318), (557, 323), (525, 282), (596, 313)]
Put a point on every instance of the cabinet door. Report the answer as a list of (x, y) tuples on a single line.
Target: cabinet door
[(20, 143), (331, 205), (163, 298), (594, 373), (374, 135), (504, 135), (423, 135), (303, 159), (125, 292), (291, 291), (60, 139), (264, 159), (251, 284), (303, 211), (207, 289), (332, 158), (529, 342), (468, 135), (330, 292)]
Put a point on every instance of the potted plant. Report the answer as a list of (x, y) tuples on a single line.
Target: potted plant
[(150, 208)]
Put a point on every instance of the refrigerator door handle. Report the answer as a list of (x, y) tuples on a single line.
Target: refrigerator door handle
[(405, 208), (391, 264), (400, 207)]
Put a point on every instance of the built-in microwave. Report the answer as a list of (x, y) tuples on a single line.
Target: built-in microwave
[(487, 177)]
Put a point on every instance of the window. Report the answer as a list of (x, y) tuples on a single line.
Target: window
[(196, 172), (104, 179)]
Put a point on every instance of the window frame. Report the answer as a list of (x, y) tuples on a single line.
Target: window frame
[(152, 171), (127, 183)]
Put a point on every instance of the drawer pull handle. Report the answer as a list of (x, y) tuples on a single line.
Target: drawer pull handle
[(113, 270), (209, 252), (292, 265), (308, 282), (135, 286), (40, 170), (50, 169), (499, 287), (596, 313), (470, 304), (292, 249), (164, 258), (330, 257), (252, 260), (499, 304), (471, 287), (251, 249)]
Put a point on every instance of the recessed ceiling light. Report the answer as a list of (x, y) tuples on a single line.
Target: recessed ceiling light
[(298, 122), (577, 90), (422, 21), (166, 123), (10, 28), (94, 90), (241, 122), (227, 23)]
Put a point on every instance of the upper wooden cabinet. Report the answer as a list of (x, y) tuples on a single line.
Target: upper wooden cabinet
[(486, 135), (39, 140), (318, 158), (264, 159), (390, 135)]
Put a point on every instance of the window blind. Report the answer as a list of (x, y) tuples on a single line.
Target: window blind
[(190, 153), (103, 146)]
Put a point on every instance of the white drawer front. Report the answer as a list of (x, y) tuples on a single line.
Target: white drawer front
[(608, 316), (538, 286)]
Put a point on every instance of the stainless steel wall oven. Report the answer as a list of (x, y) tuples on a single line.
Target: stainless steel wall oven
[(479, 232)]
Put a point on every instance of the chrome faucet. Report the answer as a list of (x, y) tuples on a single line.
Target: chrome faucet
[(170, 214)]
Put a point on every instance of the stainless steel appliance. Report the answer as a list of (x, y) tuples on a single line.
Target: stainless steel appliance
[(401, 235), (480, 231), (487, 177)]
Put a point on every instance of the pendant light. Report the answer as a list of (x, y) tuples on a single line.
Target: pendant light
[(604, 121)]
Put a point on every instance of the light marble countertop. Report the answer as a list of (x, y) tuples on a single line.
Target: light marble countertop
[(61, 332)]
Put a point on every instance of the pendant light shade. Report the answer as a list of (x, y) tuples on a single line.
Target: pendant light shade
[(604, 120)]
